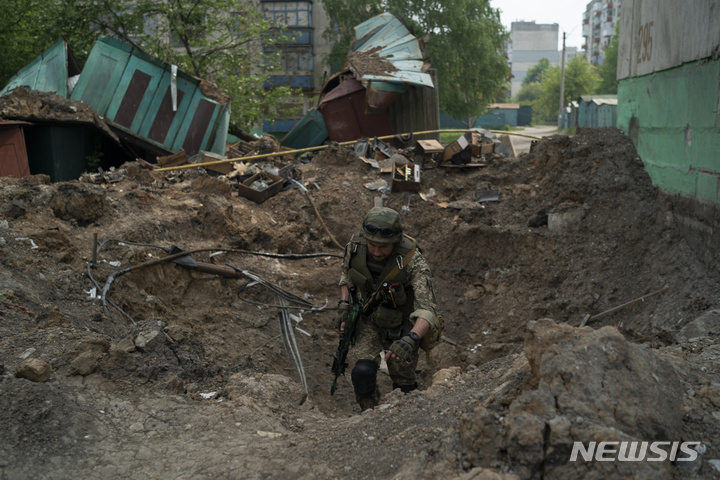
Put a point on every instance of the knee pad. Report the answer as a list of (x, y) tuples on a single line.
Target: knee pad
[(363, 376)]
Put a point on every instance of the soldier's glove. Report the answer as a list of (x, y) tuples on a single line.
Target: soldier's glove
[(406, 346), (343, 311)]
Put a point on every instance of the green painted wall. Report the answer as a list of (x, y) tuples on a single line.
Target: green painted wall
[(673, 118)]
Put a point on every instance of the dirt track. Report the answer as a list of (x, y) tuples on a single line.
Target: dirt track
[(184, 374)]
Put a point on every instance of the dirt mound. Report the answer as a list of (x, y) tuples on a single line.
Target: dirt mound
[(48, 107), (184, 368)]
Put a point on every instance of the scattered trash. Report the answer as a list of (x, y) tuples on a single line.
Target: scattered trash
[(260, 186), (361, 147), (492, 195), (377, 185), (427, 196), (378, 146), (26, 353), (269, 434), (92, 293), (406, 177), (32, 244), (458, 152), (427, 149), (302, 331)]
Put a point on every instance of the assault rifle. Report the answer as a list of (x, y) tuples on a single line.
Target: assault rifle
[(347, 338)]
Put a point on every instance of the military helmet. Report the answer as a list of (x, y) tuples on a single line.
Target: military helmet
[(382, 225)]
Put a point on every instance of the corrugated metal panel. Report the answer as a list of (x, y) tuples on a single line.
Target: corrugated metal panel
[(387, 37), (134, 92), (660, 34), (101, 75), (344, 114), (417, 110), (607, 115), (163, 123), (308, 132), (47, 73), (524, 115), (383, 28), (195, 130)]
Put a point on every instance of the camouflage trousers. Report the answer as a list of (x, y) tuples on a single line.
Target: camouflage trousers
[(370, 341)]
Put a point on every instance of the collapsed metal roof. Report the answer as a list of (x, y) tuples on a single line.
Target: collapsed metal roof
[(387, 40)]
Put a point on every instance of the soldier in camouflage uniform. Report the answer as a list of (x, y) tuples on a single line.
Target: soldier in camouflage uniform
[(384, 267)]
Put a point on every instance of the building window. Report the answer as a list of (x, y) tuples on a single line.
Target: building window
[(295, 50), (292, 14), (293, 60)]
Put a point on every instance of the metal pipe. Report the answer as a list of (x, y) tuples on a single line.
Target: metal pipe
[(321, 147)]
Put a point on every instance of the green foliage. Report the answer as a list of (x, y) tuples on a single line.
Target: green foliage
[(217, 40), (581, 78), (344, 16), (466, 45), (448, 137), (608, 69), (504, 95), (535, 73), (529, 93), (29, 27)]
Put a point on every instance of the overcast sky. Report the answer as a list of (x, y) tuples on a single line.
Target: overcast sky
[(567, 14)]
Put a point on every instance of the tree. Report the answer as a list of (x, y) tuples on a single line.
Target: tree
[(529, 93), (466, 45), (28, 28), (535, 73), (581, 78), (608, 69), (530, 89), (217, 40)]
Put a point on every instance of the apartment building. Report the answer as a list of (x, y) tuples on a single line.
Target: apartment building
[(302, 55), (599, 22), (529, 42)]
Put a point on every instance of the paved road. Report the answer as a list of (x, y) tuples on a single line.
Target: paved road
[(522, 144)]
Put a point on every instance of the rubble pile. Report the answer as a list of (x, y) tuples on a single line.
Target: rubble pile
[(117, 362)]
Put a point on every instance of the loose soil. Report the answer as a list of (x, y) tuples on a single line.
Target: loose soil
[(160, 370)]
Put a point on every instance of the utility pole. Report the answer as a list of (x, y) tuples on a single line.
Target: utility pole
[(562, 84)]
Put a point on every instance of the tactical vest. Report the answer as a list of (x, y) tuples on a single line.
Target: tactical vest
[(360, 277)]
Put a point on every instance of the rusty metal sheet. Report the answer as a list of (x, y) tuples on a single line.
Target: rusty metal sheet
[(13, 154), (345, 117), (388, 40)]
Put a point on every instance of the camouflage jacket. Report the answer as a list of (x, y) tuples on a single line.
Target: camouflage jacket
[(415, 277)]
